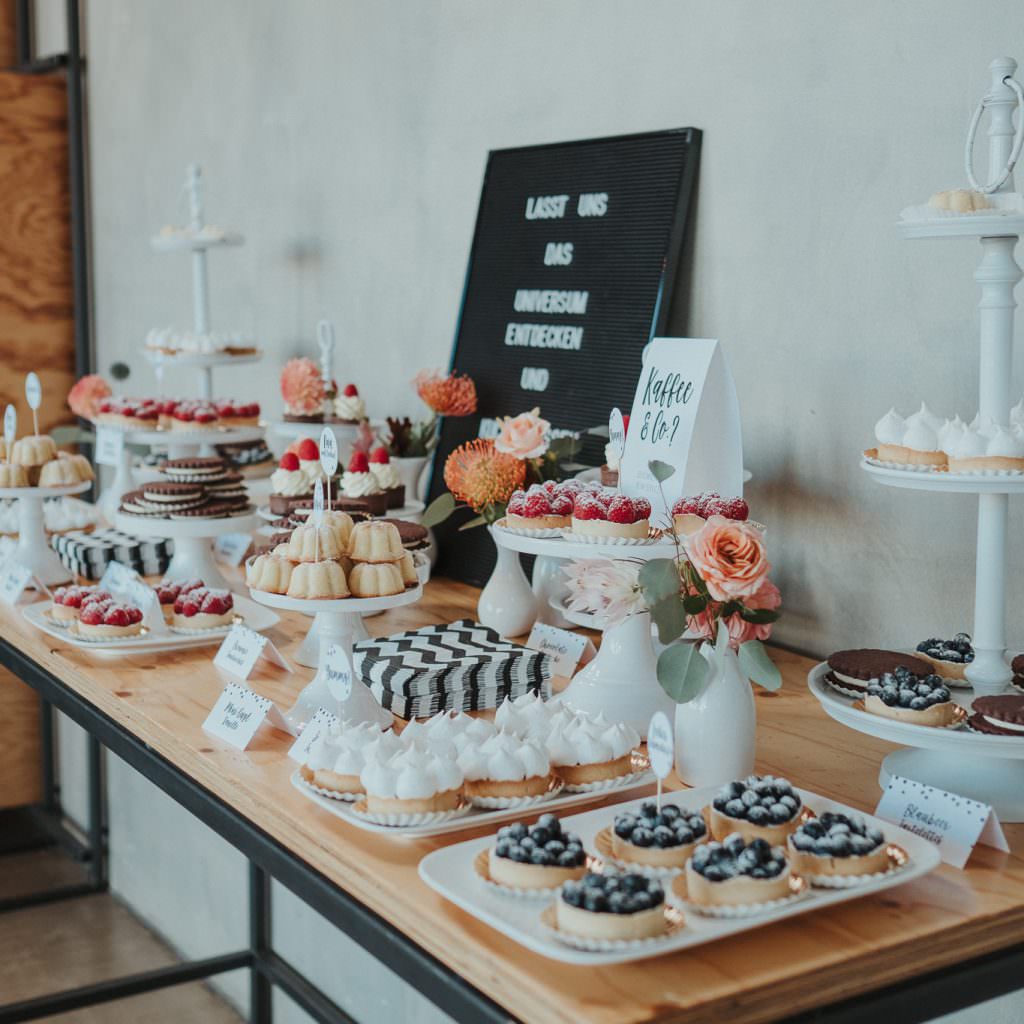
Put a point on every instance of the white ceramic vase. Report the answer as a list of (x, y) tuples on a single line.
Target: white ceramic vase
[(715, 732), (411, 472), (507, 603)]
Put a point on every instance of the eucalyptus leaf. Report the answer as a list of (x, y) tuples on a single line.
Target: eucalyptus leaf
[(759, 616), (661, 471), (670, 618), (682, 672), (438, 510), (475, 521), (758, 667), (694, 604), (659, 579)]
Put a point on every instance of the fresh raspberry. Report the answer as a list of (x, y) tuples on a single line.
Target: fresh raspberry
[(147, 412), (359, 463), (289, 461), (118, 615), (106, 405), (572, 486), (707, 500), (516, 503), (536, 504), (308, 450), (620, 510), (191, 584), (686, 506), (189, 604), (185, 413), (167, 593), (350, 391), (549, 486), (642, 508), (217, 602), (250, 409), (205, 416), (92, 614), (379, 456), (225, 407), (562, 504), (587, 507), (604, 498), (733, 508), (167, 406), (97, 597)]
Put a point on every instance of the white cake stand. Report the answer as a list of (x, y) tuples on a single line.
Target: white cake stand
[(193, 550), (337, 622), (33, 550), (985, 768)]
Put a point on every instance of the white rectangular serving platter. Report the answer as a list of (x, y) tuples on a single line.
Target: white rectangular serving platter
[(253, 615), (475, 818), (450, 872)]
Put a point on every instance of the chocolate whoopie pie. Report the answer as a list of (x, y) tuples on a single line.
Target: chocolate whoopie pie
[(854, 669), (1017, 665), (998, 716)]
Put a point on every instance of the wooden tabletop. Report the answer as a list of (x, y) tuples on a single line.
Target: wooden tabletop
[(781, 969)]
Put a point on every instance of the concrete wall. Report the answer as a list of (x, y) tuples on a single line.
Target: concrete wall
[(347, 141)]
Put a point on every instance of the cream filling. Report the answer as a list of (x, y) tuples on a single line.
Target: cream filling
[(852, 681), (1010, 726)]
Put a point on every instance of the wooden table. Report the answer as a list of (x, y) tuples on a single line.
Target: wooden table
[(153, 707)]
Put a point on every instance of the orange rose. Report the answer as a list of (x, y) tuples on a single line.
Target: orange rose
[(86, 394), (730, 557), (524, 436)]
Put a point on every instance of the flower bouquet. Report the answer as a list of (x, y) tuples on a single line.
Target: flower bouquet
[(453, 395)]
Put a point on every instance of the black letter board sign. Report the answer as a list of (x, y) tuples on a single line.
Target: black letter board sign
[(571, 273)]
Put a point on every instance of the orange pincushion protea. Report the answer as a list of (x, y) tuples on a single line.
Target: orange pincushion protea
[(86, 393), (447, 396), (302, 387), (479, 475)]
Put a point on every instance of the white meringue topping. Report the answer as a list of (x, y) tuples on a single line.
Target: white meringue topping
[(505, 757), (411, 774), (889, 429)]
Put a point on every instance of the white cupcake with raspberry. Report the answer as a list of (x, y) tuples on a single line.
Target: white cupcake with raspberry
[(604, 517), (539, 508)]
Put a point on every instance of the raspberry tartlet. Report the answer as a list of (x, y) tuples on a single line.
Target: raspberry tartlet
[(602, 517), (539, 508), (203, 608), (67, 602), (168, 591), (540, 856), (107, 619), (690, 514), (758, 807)]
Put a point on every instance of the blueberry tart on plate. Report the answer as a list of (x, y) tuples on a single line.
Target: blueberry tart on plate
[(905, 697), (837, 845), (612, 906), (657, 840), (949, 658), (736, 873), (758, 807), (541, 856)]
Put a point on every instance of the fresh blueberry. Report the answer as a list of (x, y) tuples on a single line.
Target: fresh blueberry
[(664, 837), (550, 822), (541, 856), (595, 901), (714, 873), (642, 836), (624, 825), (736, 808), (568, 860), (758, 815), (643, 900), (619, 902), (648, 808), (555, 847), (670, 812), (541, 836), (779, 814), (519, 854), (684, 836), (502, 846)]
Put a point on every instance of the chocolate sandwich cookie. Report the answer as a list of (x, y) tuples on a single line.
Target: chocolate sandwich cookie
[(131, 503), (201, 465), (167, 492), (998, 716), (1017, 665), (227, 481), (854, 669)]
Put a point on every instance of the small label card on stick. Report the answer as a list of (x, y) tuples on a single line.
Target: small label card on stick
[(13, 581), (231, 548), (109, 446), (565, 648), (317, 725), (238, 714), (338, 671), (617, 432), (953, 823), (10, 426), (242, 648), (661, 749)]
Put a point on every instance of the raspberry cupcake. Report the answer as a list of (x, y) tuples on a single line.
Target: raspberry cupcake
[(617, 518), (538, 509), (540, 856), (690, 514), (837, 846), (654, 839), (203, 608), (67, 602), (758, 807), (107, 619)]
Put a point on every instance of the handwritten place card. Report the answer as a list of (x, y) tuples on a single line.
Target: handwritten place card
[(231, 548), (565, 648), (661, 748), (238, 714), (337, 669), (242, 648), (953, 823), (315, 728), (109, 446), (617, 432), (13, 581)]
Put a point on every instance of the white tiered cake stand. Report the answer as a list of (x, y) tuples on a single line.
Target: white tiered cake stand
[(337, 622), (193, 548), (33, 550)]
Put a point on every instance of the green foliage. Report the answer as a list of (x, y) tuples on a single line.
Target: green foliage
[(438, 510), (758, 667), (682, 671), (661, 471)]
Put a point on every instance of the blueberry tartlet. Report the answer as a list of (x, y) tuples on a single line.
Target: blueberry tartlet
[(664, 840), (949, 658), (922, 700), (758, 807), (612, 906), (541, 856), (837, 845), (737, 873)]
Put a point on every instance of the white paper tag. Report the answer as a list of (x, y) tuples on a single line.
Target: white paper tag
[(317, 518), (617, 432), (13, 581), (661, 745), (33, 391), (953, 823), (109, 446), (329, 452), (686, 414), (238, 714), (338, 670), (564, 647), (116, 577), (10, 427), (127, 585), (231, 548), (242, 648), (315, 728)]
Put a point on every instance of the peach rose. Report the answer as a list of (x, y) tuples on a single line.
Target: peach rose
[(730, 557), (524, 436), (86, 394), (740, 631)]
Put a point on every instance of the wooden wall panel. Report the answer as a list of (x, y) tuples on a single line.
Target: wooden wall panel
[(8, 48), (20, 781), (36, 305)]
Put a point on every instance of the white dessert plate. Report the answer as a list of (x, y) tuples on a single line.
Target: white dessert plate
[(187, 438), (922, 479), (474, 819), (450, 872), (252, 615)]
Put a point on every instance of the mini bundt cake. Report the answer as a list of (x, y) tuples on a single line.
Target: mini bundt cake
[(959, 200), (371, 579), (82, 466), (58, 473), (311, 544), (34, 450), (269, 573), (13, 476), (375, 542), (407, 567), (323, 580), (341, 523)]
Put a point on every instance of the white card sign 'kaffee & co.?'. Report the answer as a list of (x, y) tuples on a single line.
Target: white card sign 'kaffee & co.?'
[(953, 823), (238, 714), (686, 414)]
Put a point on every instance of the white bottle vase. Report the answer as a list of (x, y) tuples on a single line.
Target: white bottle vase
[(622, 681), (410, 471), (715, 732), (507, 603)]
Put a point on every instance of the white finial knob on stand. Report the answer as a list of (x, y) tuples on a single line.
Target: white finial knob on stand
[(200, 285)]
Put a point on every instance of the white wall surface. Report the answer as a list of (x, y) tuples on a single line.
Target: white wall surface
[(347, 140)]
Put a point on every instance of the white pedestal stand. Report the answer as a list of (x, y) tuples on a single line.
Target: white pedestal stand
[(339, 623), (33, 550), (308, 652), (193, 549)]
